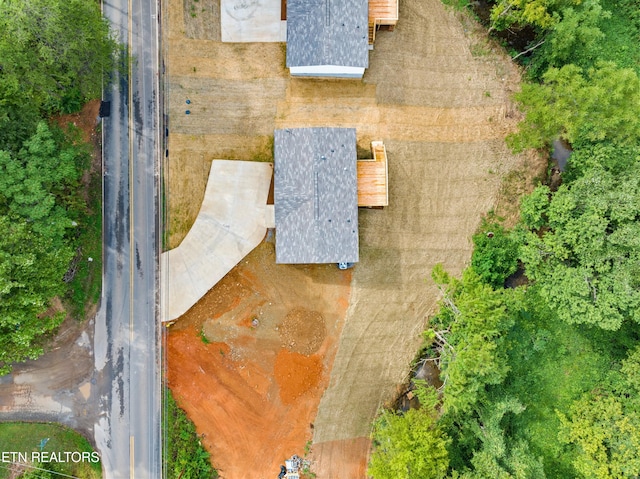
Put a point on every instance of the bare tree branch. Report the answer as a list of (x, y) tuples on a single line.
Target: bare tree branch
[(529, 49)]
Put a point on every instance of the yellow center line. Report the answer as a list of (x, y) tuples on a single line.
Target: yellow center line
[(131, 182), (131, 456), (131, 231)]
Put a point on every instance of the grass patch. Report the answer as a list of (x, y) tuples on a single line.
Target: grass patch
[(480, 50), (185, 455), (26, 437), (203, 337), (264, 152), (457, 4), (86, 286)]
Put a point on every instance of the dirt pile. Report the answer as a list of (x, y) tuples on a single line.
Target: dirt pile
[(302, 331)]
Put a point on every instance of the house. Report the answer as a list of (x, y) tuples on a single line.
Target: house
[(315, 195), (327, 38)]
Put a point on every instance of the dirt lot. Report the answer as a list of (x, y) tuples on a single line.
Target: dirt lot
[(437, 94), (249, 362)]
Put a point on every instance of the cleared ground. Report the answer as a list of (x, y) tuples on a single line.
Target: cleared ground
[(438, 95)]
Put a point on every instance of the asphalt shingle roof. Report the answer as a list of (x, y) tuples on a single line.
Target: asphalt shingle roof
[(328, 32), (316, 195)]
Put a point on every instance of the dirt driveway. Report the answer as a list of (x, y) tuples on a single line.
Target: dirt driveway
[(438, 96)]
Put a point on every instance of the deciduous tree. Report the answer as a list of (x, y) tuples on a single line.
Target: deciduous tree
[(500, 456), (468, 333), (602, 103), (31, 271), (587, 264), (604, 426), (53, 53), (495, 254), (410, 445)]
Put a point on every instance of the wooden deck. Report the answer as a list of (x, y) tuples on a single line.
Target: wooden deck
[(383, 12), (373, 188)]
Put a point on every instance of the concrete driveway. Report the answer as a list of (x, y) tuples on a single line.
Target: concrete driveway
[(232, 221), (252, 21)]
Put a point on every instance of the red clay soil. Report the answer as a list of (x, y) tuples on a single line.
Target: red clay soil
[(85, 120), (250, 361), (296, 374)]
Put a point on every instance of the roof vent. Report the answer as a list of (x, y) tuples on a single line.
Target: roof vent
[(327, 18)]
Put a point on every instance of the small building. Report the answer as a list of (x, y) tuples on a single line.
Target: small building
[(316, 195), (327, 38)]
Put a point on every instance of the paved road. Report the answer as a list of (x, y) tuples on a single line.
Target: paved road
[(127, 338)]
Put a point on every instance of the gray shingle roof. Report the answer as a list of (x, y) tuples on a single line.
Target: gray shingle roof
[(328, 32), (316, 195)]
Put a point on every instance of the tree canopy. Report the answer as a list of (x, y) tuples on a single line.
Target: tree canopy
[(495, 253), (469, 330), (604, 426), (54, 55), (601, 103), (31, 271), (500, 457), (587, 263), (411, 445)]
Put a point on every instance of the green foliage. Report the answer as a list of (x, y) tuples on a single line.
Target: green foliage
[(607, 156), (40, 183), (582, 32), (495, 254), (598, 104), (411, 445), (31, 270), (577, 30), (469, 331), (552, 364), (533, 208), (53, 53), (86, 286), (25, 437), (541, 14), (203, 337), (500, 456), (39, 203), (186, 458), (590, 32), (587, 264), (457, 4), (604, 426)]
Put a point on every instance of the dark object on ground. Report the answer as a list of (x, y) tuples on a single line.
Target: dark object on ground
[(283, 471), (105, 109)]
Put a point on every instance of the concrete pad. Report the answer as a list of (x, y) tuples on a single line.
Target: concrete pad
[(270, 216), (252, 21), (231, 223)]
